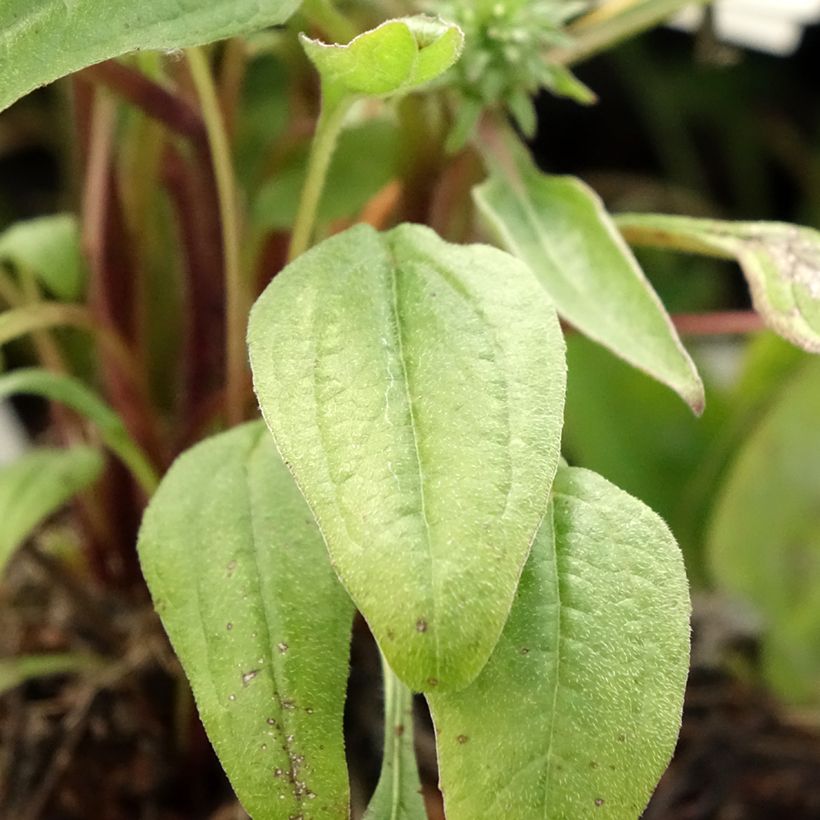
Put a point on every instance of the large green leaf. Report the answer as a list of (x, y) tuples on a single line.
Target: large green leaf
[(764, 542), (48, 247), (36, 486), (396, 57), (559, 227), (577, 712), (398, 793), (41, 40), (416, 390), (781, 263), (240, 577), (73, 393)]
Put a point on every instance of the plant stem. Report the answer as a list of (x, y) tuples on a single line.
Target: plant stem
[(236, 303), (324, 15), (328, 128), (612, 23)]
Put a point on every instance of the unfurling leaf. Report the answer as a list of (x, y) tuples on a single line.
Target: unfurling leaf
[(559, 227), (578, 710), (240, 577), (416, 389), (396, 57), (44, 40), (781, 263), (36, 486)]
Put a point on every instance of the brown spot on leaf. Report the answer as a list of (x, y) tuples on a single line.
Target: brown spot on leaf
[(421, 625), (462, 739), (399, 729), (599, 801), (432, 681)]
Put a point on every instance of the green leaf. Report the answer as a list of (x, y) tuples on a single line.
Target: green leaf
[(240, 577), (781, 263), (396, 57), (18, 670), (398, 793), (559, 227), (43, 40), (73, 393), (49, 247), (764, 541), (36, 486), (577, 712), (416, 390)]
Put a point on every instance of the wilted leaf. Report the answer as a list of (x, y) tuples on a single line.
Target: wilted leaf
[(416, 390), (240, 577), (578, 710), (781, 263), (764, 542), (36, 486), (559, 227), (42, 40)]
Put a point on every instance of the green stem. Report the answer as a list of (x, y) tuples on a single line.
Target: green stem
[(324, 15), (328, 128), (236, 304), (601, 30)]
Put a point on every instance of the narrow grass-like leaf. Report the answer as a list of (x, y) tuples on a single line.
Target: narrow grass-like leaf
[(48, 247), (764, 539), (396, 57), (578, 710), (73, 393), (398, 793), (240, 577), (17, 670), (559, 227), (781, 263), (42, 40), (416, 390), (36, 486)]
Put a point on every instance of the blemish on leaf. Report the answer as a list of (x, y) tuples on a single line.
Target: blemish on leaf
[(229, 626), (231, 697), (432, 681), (525, 650), (399, 729), (621, 738), (271, 722), (247, 677), (278, 772), (599, 801), (231, 568), (282, 647), (421, 625), (462, 739)]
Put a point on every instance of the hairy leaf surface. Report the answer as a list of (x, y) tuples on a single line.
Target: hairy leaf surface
[(240, 577), (559, 227), (578, 710), (416, 390), (781, 263), (42, 40), (36, 486), (764, 540)]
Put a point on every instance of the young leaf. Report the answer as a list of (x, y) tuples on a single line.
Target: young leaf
[(781, 263), (49, 247), (73, 393), (398, 793), (239, 575), (577, 712), (416, 389), (764, 540), (559, 227), (396, 57), (42, 41), (36, 486)]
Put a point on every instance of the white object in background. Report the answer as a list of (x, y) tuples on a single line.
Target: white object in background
[(773, 26), (13, 441)]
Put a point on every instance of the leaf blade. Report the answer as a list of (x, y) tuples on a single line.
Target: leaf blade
[(593, 661), (420, 406), (239, 575), (80, 33)]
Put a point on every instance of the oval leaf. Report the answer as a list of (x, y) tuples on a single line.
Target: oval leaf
[(416, 389), (781, 263), (577, 712), (764, 539), (36, 486), (396, 57), (239, 575), (559, 227), (44, 40), (49, 247)]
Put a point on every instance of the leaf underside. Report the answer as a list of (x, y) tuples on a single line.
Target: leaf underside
[(578, 710), (240, 577), (42, 40), (416, 390)]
